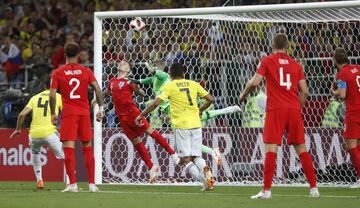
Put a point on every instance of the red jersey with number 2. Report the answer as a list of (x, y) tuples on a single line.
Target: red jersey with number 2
[(122, 95), (351, 75), (282, 74), (72, 80)]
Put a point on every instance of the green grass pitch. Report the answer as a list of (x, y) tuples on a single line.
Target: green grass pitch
[(24, 194)]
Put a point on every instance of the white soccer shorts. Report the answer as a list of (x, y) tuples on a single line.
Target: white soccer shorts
[(52, 141), (188, 142)]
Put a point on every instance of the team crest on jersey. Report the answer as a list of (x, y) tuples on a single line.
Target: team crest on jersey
[(283, 61), (354, 70), (121, 84)]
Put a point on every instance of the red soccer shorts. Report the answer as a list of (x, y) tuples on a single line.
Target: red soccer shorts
[(129, 127), (351, 129), (76, 126), (277, 121)]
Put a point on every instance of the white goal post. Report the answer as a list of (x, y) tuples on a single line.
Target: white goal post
[(225, 44)]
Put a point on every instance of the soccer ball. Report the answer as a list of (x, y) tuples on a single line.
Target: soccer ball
[(137, 24)]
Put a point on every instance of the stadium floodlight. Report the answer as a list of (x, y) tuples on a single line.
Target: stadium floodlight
[(223, 45)]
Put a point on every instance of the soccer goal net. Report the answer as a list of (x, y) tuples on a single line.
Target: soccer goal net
[(222, 47)]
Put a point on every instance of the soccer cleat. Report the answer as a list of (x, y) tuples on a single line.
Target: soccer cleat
[(355, 185), (93, 188), (233, 109), (175, 158), (262, 195), (71, 188), (153, 172), (314, 193), (40, 184), (217, 157), (209, 178)]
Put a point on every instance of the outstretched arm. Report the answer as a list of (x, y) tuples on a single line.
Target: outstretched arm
[(251, 85), (52, 100), (20, 121), (209, 99), (152, 106), (99, 99), (304, 92)]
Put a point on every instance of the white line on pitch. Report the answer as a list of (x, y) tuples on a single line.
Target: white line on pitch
[(189, 193)]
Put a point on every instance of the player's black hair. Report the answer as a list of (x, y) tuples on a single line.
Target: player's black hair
[(71, 49), (47, 81), (177, 70), (280, 41), (341, 56)]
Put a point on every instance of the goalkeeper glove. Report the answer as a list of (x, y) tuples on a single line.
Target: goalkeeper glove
[(150, 66), (134, 81)]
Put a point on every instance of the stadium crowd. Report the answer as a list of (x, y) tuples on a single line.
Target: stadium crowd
[(33, 33)]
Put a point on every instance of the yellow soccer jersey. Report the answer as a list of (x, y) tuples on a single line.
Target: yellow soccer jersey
[(41, 125), (182, 95)]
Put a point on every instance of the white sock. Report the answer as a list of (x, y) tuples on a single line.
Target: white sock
[(193, 170), (200, 163), (35, 158)]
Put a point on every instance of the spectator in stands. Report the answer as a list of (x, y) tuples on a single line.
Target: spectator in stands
[(10, 58)]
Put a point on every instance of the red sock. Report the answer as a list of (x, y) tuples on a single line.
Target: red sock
[(358, 147), (70, 163), (308, 168), (269, 169), (162, 141), (89, 163), (144, 154), (355, 159)]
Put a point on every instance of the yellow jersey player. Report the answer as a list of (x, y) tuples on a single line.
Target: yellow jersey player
[(185, 121), (42, 131)]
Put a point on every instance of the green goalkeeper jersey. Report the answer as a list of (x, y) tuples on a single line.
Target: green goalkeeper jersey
[(158, 80)]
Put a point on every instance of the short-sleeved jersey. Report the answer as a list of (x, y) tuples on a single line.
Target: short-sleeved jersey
[(351, 75), (72, 81), (182, 95), (41, 125), (122, 96), (282, 75)]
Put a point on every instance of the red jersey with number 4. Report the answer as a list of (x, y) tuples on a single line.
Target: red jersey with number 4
[(351, 75), (282, 75), (122, 95), (73, 80)]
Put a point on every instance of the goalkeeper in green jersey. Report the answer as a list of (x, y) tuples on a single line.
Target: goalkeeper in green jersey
[(158, 78)]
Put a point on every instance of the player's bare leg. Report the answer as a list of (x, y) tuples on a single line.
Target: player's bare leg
[(70, 164), (162, 141), (269, 170), (308, 168), (90, 165), (353, 147), (144, 154)]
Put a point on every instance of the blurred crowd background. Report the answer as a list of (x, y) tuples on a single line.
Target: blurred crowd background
[(33, 33)]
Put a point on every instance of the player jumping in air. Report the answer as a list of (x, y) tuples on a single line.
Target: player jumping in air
[(159, 78), (348, 88), (122, 91), (284, 78), (185, 121), (42, 131), (72, 80)]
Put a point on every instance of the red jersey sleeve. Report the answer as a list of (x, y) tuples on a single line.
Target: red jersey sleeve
[(91, 76), (54, 81), (341, 75), (262, 68), (132, 86)]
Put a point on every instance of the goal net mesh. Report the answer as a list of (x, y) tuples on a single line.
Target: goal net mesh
[(224, 51)]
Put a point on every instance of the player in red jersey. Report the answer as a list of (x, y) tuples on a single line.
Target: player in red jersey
[(72, 81), (348, 88), (122, 91), (287, 92)]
